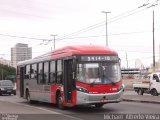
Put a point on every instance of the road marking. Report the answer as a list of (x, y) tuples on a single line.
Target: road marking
[(76, 118), (52, 112), (40, 108)]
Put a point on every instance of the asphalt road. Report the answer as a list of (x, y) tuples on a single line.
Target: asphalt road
[(10, 106)]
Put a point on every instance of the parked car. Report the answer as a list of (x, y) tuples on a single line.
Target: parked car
[(7, 87)]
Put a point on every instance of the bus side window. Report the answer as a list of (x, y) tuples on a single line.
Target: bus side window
[(27, 72), (59, 71), (40, 73), (46, 72), (52, 73), (34, 71)]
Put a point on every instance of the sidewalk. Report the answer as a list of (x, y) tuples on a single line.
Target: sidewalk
[(132, 96)]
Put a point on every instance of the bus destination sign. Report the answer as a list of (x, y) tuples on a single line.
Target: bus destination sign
[(99, 58)]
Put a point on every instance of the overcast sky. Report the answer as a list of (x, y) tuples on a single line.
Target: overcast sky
[(129, 27)]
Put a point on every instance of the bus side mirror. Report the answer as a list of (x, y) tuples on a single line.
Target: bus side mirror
[(74, 65), (74, 68), (120, 61)]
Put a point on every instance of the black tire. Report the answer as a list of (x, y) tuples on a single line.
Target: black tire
[(154, 92), (99, 105), (28, 98), (59, 101), (140, 92)]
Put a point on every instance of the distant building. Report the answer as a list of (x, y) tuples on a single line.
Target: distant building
[(130, 72), (5, 62), (133, 73), (20, 52)]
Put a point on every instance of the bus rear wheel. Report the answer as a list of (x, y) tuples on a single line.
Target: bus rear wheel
[(29, 98)]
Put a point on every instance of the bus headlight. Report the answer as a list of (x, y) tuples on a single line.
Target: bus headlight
[(78, 88)]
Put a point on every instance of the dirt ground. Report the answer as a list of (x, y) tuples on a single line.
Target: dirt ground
[(129, 82)]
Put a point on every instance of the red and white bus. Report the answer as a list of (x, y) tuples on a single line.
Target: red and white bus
[(73, 75)]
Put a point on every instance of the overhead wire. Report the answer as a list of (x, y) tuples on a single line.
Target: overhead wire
[(125, 33), (121, 16), (7, 35)]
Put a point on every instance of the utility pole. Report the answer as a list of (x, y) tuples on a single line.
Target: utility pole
[(54, 40), (154, 65), (106, 28), (159, 58), (159, 52)]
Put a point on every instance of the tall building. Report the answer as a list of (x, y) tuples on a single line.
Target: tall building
[(20, 52)]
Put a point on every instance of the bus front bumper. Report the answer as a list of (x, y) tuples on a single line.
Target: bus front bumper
[(86, 98)]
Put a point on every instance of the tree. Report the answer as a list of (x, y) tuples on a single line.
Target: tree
[(7, 72)]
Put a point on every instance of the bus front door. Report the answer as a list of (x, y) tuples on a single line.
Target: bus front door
[(68, 81), (21, 82)]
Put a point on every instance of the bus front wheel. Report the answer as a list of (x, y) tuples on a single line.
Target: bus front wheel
[(59, 102)]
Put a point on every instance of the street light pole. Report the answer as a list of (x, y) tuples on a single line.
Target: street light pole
[(154, 65), (106, 28), (54, 40)]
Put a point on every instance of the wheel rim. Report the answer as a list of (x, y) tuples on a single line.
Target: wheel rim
[(60, 102), (28, 97), (140, 92), (154, 92)]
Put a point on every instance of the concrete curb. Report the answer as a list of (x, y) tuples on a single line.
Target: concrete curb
[(141, 101)]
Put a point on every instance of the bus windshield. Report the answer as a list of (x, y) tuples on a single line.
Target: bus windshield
[(99, 73)]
